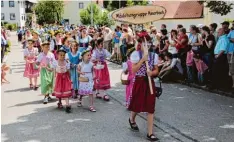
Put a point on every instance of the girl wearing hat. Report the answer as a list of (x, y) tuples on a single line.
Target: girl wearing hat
[(37, 41), (62, 88), (85, 69), (31, 71), (74, 58), (84, 40), (127, 69), (45, 60), (102, 78)]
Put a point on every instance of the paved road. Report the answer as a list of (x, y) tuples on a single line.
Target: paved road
[(183, 114)]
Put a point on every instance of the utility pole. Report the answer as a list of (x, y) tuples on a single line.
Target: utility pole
[(91, 13)]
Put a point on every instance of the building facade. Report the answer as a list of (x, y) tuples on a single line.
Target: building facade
[(13, 12), (72, 9)]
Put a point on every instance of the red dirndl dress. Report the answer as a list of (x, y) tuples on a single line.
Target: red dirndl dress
[(102, 77), (63, 84), (30, 68), (142, 100)]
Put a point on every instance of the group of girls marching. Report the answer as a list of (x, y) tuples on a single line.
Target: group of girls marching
[(71, 73)]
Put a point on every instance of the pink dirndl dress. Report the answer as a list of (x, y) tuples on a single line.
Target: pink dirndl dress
[(63, 84), (102, 77), (129, 87), (30, 70)]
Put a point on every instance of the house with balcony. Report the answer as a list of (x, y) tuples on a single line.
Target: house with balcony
[(15, 11)]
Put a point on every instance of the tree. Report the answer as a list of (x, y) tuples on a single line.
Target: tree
[(130, 3), (218, 7), (49, 11), (100, 17)]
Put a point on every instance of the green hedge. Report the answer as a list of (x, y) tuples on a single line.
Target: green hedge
[(11, 27)]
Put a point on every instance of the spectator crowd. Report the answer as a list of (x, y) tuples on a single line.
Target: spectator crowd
[(202, 54)]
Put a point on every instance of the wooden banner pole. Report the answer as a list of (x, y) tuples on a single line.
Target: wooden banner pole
[(146, 52)]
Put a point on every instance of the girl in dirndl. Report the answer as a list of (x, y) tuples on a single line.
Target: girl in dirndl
[(85, 69), (142, 100), (74, 58), (62, 88), (127, 69), (45, 60), (102, 77), (31, 71)]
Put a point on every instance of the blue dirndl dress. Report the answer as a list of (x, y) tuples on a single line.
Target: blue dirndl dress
[(74, 60)]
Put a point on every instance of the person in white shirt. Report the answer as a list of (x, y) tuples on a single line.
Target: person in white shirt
[(107, 39)]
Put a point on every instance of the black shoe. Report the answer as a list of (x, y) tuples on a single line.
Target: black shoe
[(152, 137), (133, 126), (68, 109), (49, 98)]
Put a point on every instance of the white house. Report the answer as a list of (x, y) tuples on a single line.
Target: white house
[(13, 12), (72, 9)]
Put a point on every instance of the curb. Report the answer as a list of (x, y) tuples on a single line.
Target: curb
[(219, 92)]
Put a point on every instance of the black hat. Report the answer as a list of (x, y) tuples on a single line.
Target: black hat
[(225, 23), (61, 50)]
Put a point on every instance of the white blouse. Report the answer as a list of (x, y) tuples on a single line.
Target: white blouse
[(61, 68), (32, 52), (103, 51), (86, 67), (135, 57)]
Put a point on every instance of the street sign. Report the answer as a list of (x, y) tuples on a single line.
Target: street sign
[(139, 14)]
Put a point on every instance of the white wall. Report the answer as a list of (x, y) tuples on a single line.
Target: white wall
[(18, 10), (72, 11)]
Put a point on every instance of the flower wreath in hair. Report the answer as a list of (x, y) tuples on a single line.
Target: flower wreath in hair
[(83, 53)]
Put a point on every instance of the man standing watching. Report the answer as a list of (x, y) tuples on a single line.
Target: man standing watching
[(220, 67), (230, 53)]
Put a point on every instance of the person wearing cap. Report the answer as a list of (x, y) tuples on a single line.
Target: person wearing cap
[(220, 66), (225, 26), (56, 43), (37, 40), (31, 71), (62, 86), (20, 34), (127, 69), (102, 80), (45, 60), (230, 54)]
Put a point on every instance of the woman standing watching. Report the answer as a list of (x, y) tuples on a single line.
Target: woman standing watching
[(142, 100)]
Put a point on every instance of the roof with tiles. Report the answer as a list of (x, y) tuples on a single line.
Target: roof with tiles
[(181, 9)]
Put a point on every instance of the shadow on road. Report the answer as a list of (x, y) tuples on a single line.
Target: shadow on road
[(32, 103), (18, 90)]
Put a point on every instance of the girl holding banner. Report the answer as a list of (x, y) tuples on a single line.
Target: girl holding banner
[(143, 100)]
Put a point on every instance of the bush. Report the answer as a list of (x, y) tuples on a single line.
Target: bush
[(11, 27), (5, 23)]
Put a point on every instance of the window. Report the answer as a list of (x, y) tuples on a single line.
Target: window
[(12, 16), (2, 16), (11, 4), (81, 5), (2, 3)]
